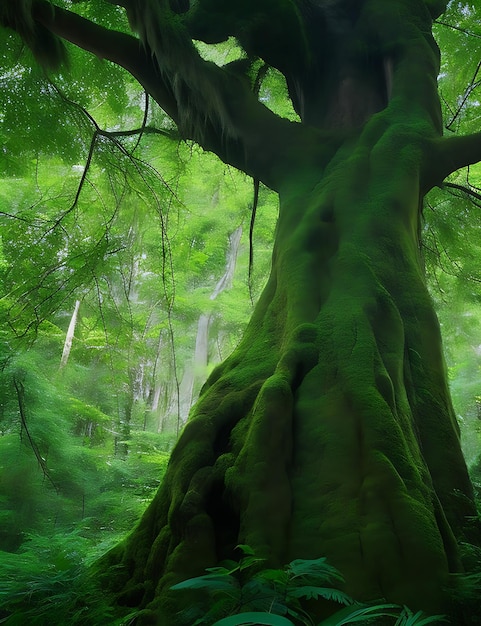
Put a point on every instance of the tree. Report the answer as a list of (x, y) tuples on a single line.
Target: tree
[(329, 431)]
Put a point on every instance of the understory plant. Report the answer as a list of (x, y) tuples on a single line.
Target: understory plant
[(49, 582), (242, 593)]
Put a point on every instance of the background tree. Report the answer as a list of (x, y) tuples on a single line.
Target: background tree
[(330, 429)]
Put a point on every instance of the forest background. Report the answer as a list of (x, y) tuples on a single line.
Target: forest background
[(126, 273)]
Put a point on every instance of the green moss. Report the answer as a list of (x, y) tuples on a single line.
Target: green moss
[(330, 430)]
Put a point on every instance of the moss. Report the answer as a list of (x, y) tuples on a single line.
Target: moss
[(330, 430)]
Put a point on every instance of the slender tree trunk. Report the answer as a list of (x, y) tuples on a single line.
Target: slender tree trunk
[(330, 430), (70, 335), (196, 371)]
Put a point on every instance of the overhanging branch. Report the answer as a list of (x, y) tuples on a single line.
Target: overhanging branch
[(257, 134), (120, 48), (453, 153), (253, 138), (19, 388)]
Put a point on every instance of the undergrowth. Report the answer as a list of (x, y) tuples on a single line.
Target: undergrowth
[(243, 593), (48, 583)]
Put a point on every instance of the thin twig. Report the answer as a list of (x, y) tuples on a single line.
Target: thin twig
[(469, 90), (461, 30), (19, 388)]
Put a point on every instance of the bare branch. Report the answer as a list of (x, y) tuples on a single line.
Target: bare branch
[(19, 388), (473, 84), (255, 202), (461, 30), (465, 190)]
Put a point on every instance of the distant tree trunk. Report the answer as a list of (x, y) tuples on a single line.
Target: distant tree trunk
[(196, 370), (124, 425), (70, 335)]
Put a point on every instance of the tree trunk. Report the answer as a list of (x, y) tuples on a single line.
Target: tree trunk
[(330, 430), (69, 336), (195, 373)]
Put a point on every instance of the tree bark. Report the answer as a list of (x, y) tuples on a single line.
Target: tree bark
[(330, 430)]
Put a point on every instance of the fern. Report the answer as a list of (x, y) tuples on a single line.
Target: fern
[(49, 583), (236, 591), (238, 594), (318, 568), (360, 613), (408, 618), (314, 593), (212, 583)]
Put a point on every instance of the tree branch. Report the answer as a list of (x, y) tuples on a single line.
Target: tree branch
[(461, 30), (120, 48), (246, 135), (19, 388), (473, 84), (465, 190), (453, 153)]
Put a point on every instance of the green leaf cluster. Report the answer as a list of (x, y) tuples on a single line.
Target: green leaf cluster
[(243, 593)]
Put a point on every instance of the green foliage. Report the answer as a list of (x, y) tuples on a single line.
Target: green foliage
[(403, 616), (142, 246), (98, 445), (243, 593), (245, 590), (48, 582)]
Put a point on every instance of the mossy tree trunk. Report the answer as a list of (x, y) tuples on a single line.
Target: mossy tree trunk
[(330, 430)]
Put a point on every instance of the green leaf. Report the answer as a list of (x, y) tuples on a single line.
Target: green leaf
[(245, 549), (319, 568), (313, 593), (254, 618), (249, 561), (408, 618), (258, 595), (229, 564), (353, 614), (210, 582), (222, 571), (278, 576)]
